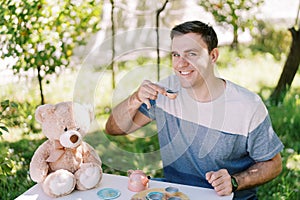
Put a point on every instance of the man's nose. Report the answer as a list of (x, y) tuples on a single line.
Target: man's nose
[(182, 62)]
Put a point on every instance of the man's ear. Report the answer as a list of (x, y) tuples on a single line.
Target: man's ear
[(214, 55)]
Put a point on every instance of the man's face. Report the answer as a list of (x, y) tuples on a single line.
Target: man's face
[(190, 59)]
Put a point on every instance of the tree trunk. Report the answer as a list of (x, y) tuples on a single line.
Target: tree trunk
[(157, 37), (40, 85), (113, 64), (234, 23), (235, 42), (289, 70)]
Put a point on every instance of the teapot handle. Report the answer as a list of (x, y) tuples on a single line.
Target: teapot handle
[(145, 181)]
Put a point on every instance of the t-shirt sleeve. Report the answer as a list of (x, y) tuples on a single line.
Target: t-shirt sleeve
[(148, 112), (263, 142)]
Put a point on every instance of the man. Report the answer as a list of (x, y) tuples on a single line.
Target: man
[(215, 134)]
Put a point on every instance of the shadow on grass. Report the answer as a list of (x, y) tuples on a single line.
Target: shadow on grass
[(139, 150)]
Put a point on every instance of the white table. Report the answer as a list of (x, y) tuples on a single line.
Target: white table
[(120, 183)]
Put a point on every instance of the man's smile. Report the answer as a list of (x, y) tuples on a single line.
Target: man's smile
[(186, 73)]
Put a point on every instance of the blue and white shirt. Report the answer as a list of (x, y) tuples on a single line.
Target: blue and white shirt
[(232, 132)]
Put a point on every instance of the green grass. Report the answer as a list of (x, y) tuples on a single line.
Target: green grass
[(18, 155), (140, 150), (285, 119)]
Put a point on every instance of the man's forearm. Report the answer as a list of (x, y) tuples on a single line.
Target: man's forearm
[(121, 119), (259, 173)]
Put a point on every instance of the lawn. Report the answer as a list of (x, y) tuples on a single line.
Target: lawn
[(140, 150)]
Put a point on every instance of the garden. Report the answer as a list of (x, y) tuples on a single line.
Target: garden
[(256, 65), (24, 136)]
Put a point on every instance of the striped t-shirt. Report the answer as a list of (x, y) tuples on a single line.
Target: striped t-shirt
[(232, 132)]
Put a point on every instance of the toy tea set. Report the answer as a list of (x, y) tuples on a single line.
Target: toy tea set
[(139, 182)]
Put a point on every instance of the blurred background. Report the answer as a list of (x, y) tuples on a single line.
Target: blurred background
[(99, 51)]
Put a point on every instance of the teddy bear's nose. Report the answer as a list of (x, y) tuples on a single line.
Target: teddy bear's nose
[(74, 138), (70, 139)]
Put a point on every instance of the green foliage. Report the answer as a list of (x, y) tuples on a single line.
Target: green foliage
[(14, 164), (285, 119), (286, 185), (14, 158), (270, 39), (8, 169), (234, 13), (25, 118), (18, 115), (7, 111), (41, 34), (44, 33), (229, 57)]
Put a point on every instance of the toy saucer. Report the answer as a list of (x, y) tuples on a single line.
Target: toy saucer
[(108, 193), (155, 193), (154, 196)]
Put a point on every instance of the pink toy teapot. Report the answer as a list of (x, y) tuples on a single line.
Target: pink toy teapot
[(138, 180)]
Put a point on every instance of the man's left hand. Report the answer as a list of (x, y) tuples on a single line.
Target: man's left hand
[(221, 181)]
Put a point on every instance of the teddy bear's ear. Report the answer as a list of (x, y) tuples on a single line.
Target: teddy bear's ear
[(43, 111)]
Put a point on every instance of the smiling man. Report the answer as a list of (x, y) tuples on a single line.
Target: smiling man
[(214, 134)]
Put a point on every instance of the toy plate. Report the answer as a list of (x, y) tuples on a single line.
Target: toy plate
[(108, 193)]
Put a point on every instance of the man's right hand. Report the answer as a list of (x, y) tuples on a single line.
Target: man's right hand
[(147, 91)]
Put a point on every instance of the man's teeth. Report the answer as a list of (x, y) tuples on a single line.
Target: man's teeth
[(185, 73)]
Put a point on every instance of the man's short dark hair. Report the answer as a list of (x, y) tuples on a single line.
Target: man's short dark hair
[(208, 34)]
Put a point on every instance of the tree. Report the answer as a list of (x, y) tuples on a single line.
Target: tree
[(113, 65), (291, 65), (157, 37), (232, 12), (41, 34)]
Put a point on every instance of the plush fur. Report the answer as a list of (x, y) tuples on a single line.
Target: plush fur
[(65, 162)]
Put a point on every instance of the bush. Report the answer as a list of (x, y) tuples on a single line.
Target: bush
[(7, 114), (14, 169), (15, 157), (269, 39)]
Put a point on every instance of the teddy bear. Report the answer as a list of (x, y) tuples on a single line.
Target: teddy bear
[(65, 162)]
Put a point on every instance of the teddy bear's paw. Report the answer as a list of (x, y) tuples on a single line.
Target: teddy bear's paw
[(88, 176), (59, 183)]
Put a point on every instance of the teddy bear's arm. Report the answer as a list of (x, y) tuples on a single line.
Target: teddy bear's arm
[(38, 165), (90, 173), (90, 155)]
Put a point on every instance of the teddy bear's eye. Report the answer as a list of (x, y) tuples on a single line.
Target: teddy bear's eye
[(66, 129), (77, 129)]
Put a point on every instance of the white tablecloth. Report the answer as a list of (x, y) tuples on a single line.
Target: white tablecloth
[(120, 183)]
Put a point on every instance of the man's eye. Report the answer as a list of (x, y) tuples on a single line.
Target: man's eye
[(175, 55), (192, 54)]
